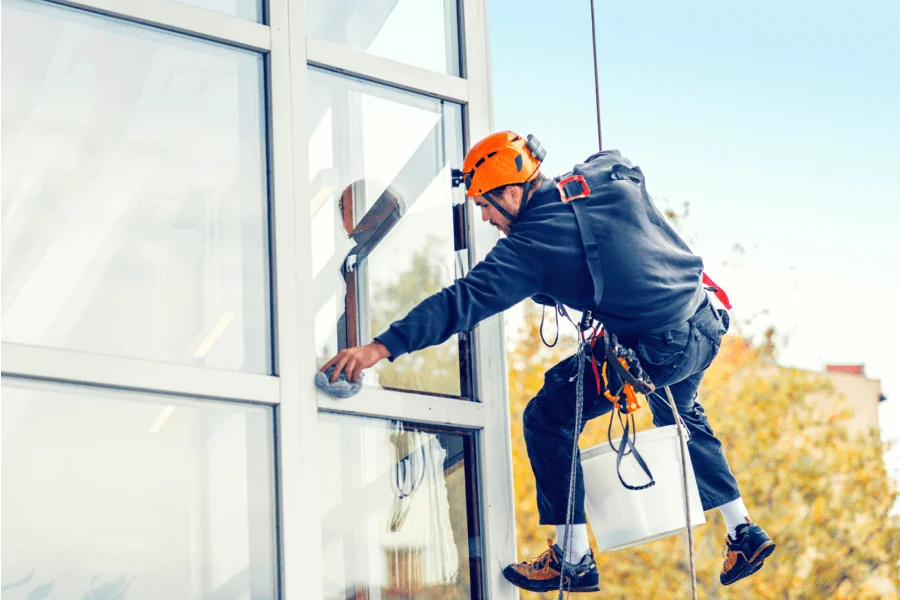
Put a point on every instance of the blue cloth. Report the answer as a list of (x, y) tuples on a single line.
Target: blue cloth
[(651, 279), (342, 388)]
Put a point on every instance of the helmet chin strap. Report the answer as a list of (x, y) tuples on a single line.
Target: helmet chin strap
[(512, 220)]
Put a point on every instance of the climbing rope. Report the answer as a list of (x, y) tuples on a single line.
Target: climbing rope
[(570, 506), (579, 388), (596, 77), (687, 497)]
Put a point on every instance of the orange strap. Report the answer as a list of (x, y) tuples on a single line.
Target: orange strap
[(631, 404)]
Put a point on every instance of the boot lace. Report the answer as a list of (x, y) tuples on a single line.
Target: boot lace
[(542, 563)]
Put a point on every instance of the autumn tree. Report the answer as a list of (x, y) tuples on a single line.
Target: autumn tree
[(823, 495), (434, 369)]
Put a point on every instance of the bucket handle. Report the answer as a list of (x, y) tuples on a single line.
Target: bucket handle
[(627, 442)]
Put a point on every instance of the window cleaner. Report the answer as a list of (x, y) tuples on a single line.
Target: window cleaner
[(341, 387), (590, 240)]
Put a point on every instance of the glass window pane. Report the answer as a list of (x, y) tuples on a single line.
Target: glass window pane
[(125, 495), (398, 511), (381, 196), (134, 191), (422, 33), (244, 9)]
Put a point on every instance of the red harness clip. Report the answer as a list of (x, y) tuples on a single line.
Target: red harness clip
[(567, 183), (719, 292)]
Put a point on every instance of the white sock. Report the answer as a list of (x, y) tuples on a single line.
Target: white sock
[(734, 513), (578, 542)]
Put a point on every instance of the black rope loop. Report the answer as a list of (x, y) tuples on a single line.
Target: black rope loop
[(556, 313)]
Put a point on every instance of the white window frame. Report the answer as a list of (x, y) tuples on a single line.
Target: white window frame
[(291, 393)]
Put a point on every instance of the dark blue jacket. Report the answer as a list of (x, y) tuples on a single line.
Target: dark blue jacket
[(651, 280)]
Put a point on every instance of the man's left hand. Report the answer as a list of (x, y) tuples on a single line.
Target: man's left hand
[(352, 361)]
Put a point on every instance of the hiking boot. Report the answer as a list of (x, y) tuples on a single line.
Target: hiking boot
[(542, 574), (745, 555)]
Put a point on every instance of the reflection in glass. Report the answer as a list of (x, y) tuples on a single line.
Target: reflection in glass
[(134, 191), (244, 9), (134, 496), (422, 33), (384, 218), (397, 511)]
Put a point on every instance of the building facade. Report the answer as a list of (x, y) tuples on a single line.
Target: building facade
[(204, 200), (861, 393)]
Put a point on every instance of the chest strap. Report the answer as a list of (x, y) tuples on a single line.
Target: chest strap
[(575, 188)]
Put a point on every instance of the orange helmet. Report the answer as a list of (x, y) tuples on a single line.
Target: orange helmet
[(502, 158)]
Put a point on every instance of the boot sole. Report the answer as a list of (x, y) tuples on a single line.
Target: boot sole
[(756, 562), (574, 590), (545, 588)]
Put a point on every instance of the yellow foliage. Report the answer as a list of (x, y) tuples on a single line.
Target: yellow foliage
[(823, 496)]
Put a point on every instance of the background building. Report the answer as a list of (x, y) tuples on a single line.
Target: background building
[(861, 393), (202, 201)]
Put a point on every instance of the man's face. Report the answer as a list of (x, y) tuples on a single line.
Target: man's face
[(495, 217)]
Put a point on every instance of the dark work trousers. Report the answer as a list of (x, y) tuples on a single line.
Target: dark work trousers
[(676, 358)]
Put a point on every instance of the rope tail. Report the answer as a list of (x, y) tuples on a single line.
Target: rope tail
[(570, 506), (687, 498)]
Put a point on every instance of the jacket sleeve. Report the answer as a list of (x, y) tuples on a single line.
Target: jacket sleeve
[(503, 279)]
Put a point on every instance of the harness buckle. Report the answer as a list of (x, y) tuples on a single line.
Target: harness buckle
[(573, 188)]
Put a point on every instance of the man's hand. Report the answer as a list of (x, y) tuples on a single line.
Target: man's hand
[(353, 361)]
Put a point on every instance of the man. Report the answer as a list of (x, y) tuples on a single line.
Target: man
[(615, 255)]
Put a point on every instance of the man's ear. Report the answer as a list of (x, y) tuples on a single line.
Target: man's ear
[(512, 193)]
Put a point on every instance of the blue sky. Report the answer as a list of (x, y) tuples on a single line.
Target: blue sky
[(778, 122)]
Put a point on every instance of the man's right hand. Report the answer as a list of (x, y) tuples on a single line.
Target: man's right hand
[(352, 361)]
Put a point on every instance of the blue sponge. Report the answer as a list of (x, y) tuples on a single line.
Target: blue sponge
[(340, 388)]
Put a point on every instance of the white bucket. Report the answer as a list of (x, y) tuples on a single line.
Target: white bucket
[(621, 518)]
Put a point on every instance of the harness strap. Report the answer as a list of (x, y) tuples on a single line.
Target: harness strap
[(592, 252), (575, 187), (620, 171)]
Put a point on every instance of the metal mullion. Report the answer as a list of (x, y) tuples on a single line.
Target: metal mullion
[(297, 418), (181, 18), (336, 57), (412, 407), (53, 364), (498, 503)]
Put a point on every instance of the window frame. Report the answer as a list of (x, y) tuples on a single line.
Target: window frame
[(353, 325), (196, 444), (297, 403)]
